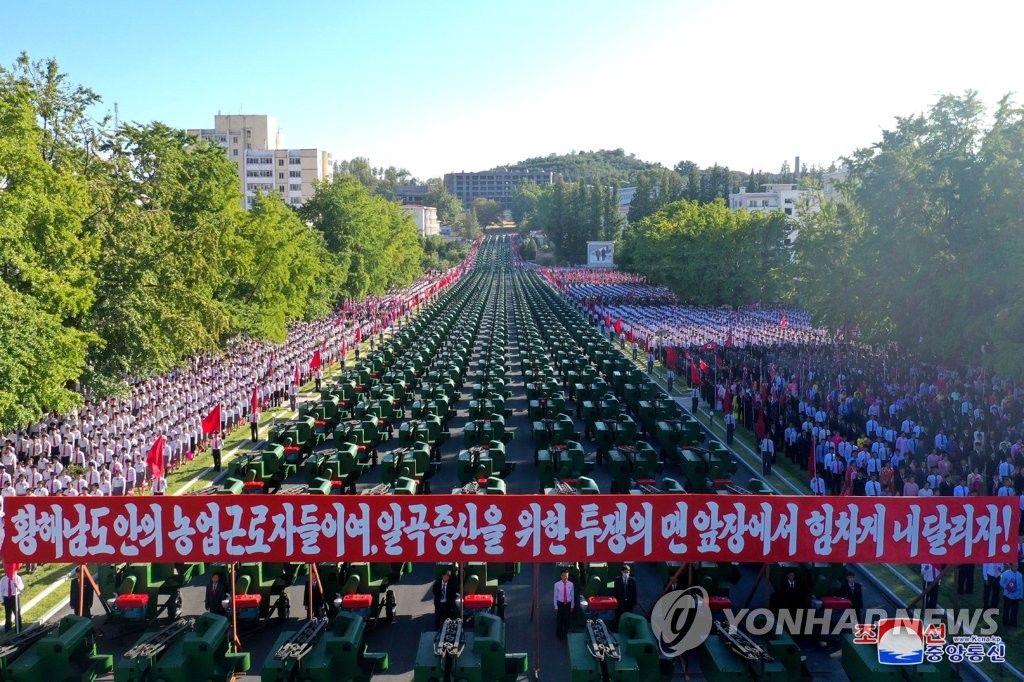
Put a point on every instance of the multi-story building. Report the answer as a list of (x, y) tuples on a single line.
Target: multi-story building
[(496, 184), (772, 197), (425, 217), (253, 143), (411, 194)]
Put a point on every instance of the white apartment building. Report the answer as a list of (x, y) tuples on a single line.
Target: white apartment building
[(425, 217), (253, 142), (772, 197)]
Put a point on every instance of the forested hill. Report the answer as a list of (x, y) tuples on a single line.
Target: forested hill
[(608, 166)]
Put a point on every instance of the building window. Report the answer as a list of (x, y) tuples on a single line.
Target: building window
[(295, 188), (248, 133), (280, 188), (234, 139), (280, 176), (280, 162), (248, 146), (234, 152), (295, 174), (294, 160)]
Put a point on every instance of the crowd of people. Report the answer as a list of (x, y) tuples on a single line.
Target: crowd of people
[(602, 287), (859, 420), (101, 448), (874, 422)]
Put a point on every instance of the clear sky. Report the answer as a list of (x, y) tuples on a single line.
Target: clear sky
[(457, 85)]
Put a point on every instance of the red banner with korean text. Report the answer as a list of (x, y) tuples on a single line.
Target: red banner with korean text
[(528, 528)]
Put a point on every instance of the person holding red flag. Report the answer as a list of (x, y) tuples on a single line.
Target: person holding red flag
[(212, 421), (254, 420), (11, 587), (216, 445), (155, 457), (315, 366)]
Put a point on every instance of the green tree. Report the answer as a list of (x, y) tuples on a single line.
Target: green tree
[(448, 206), (171, 218), (378, 181), (525, 200), (468, 225), (708, 254), (488, 211), (373, 241), (281, 271), (643, 203), (611, 220), (47, 245), (528, 249), (928, 236), (441, 254)]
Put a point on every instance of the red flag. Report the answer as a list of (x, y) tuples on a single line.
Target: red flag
[(375, 326), (695, 375), (315, 362), (618, 326), (703, 366), (608, 320), (298, 377), (727, 400), (359, 334), (629, 336), (254, 401), (155, 458), (11, 568), (728, 339), (211, 422), (784, 321), (670, 357)]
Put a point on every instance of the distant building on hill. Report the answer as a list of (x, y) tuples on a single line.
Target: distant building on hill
[(496, 185), (411, 194), (772, 197)]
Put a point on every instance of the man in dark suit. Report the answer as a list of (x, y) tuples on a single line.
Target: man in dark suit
[(852, 590), (216, 593), (78, 597), (445, 593), (624, 591), (791, 594)]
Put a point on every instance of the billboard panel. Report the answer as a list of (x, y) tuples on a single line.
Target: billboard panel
[(601, 254)]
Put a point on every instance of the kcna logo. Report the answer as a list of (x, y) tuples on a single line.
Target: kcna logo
[(681, 620), (901, 641)]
